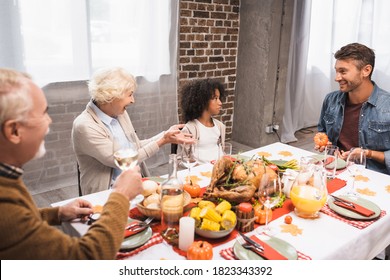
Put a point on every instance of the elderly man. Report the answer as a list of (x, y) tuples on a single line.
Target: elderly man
[(26, 232)]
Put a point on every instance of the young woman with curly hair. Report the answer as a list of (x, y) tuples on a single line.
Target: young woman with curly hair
[(200, 101)]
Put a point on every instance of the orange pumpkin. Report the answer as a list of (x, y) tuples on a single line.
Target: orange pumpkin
[(260, 213), (192, 189), (200, 250), (321, 139)]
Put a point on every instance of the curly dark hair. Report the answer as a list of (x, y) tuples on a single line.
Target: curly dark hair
[(195, 97), (362, 54)]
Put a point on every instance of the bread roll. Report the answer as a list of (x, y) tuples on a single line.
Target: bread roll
[(155, 206), (154, 198), (150, 187)]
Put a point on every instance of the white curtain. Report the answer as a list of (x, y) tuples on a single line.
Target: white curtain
[(320, 28), (67, 40)]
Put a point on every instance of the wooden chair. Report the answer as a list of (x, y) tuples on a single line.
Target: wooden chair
[(78, 179), (173, 148)]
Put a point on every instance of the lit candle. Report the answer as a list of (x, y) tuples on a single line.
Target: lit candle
[(186, 232)]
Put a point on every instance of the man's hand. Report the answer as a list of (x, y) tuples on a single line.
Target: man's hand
[(78, 208), (129, 183), (321, 148)]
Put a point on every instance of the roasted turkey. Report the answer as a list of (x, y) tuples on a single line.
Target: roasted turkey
[(237, 181)]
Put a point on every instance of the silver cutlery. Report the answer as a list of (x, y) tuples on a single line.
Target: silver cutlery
[(136, 226), (251, 247), (343, 201), (251, 242)]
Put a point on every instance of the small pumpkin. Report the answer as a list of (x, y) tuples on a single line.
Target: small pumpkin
[(260, 213), (192, 189), (200, 250), (321, 139)]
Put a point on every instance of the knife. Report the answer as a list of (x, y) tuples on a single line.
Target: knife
[(346, 202), (265, 250), (134, 228)]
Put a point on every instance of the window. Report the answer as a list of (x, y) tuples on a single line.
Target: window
[(67, 40)]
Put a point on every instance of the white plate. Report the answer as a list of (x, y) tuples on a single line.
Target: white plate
[(340, 162), (136, 240), (283, 247), (353, 215)]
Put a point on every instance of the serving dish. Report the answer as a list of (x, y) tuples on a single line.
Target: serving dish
[(213, 234)]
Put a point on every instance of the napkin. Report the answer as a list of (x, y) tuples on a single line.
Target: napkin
[(355, 208), (269, 252)]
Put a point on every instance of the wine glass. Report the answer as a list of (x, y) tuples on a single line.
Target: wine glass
[(269, 193), (356, 163), (189, 157), (224, 149), (126, 157), (330, 160)]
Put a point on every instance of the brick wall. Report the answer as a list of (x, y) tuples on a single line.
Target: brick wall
[(208, 48), (208, 42), (57, 168)]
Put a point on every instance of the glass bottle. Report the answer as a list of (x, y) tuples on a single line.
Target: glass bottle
[(172, 202)]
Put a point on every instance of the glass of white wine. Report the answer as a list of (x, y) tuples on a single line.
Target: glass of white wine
[(189, 156), (270, 193), (356, 163), (126, 157)]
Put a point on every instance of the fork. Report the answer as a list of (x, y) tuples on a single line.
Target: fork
[(341, 200), (139, 224), (246, 245)]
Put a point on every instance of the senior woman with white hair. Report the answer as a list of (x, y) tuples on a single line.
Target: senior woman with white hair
[(101, 128)]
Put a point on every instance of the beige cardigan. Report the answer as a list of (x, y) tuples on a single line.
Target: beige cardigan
[(192, 128), (94, 147)]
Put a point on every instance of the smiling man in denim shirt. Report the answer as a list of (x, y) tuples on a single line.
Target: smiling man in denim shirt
[(358, 115)]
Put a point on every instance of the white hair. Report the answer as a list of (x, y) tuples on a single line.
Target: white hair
[(109, 84), (15, 102)]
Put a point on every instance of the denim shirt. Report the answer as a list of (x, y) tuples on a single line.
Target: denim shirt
[(374, 123)]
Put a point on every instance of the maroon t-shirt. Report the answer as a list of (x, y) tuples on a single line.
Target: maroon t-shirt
[(349, 134)]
